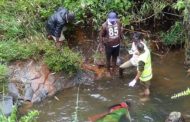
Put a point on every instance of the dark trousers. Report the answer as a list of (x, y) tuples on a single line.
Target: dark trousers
[(111, 55)]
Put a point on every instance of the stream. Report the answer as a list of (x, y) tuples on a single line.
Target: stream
[(170, 77)]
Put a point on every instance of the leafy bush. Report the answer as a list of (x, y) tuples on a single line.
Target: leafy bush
[(57, 59), (30, 117), (62, 60), (175, 35), (94, 12), (179, 5), (11, 50), (22, 18), (10, 27)]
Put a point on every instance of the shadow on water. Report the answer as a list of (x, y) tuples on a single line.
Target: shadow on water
[(169, 78)]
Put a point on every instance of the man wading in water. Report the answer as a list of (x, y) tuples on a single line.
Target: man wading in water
[(144, 69), (133, 61)]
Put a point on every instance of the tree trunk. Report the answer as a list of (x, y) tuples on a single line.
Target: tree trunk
[(187, 27)]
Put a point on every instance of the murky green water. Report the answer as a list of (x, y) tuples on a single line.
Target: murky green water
[(169, 78)]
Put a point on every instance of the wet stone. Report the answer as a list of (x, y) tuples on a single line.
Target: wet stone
[(175, 117), (6, 105), (28, 92), (13, 91), (40, 95)]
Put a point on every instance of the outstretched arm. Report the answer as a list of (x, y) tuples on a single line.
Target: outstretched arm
[(141, 65)]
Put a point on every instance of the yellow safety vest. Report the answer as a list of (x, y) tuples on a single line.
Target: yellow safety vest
[(147, 72)]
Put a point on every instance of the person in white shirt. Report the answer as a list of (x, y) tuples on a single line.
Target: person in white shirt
[(133, 61)]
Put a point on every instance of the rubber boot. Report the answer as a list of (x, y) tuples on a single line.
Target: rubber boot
[(120, 73)]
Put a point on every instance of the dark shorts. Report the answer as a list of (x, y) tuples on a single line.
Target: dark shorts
[(112, 52), (145, 84)]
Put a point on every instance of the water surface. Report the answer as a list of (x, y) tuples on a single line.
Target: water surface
[(169, 77)]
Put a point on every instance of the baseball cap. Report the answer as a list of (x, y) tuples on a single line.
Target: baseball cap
[(112, 16)]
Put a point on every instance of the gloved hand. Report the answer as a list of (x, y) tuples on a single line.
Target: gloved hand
[(132, 83)]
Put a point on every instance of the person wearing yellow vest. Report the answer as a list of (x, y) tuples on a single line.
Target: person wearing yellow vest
[(133, 61), (144, 69)]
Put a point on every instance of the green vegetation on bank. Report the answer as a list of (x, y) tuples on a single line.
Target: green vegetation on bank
[(23, 18), (3, 72), (57, 60), (175, 35), (14, 117), (21, 34)]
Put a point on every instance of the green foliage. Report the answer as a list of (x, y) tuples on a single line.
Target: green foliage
[(152, 7), (11, 50), (57, 60), (10, 27), (30, 117), (94, 12), (146, 8), (22, 18), (175, 35), (158, 6), (63, 60), (180, 94), (3, 72), (179, 5)]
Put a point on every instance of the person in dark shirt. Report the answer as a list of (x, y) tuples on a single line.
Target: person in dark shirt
[(110, 37), (56, 23)]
